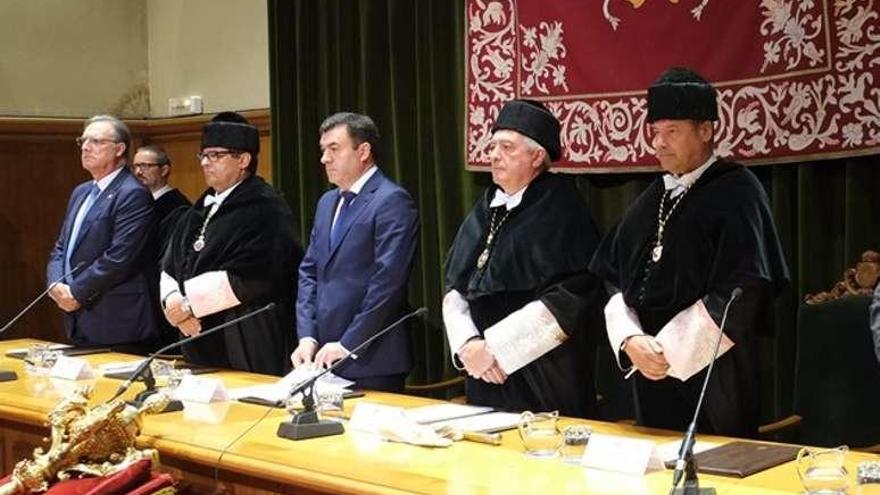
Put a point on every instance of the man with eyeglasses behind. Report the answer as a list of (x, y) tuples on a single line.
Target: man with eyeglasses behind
[(233, 252), (105, 249), (152, 166)]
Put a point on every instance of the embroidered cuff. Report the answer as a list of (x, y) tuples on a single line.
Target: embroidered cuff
[(457, 318), (210, 293), (621, 322), (167, 286), (524, 336)]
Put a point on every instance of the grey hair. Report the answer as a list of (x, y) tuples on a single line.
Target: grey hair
[(120, 131), (533, 145)]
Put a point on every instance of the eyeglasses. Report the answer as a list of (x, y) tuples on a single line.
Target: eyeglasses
[(139, 165), (213, 156), (84, 140)]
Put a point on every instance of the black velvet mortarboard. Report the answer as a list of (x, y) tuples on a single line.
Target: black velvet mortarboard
[(231, 130), (681, 94), (532, 119)]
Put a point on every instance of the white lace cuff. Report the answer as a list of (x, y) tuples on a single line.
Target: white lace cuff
[(523, 336), (457, 318), (167, 286), (210, 293), (621, 322)]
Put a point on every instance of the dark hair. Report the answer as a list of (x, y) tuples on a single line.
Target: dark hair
[(120, 131), (361, 129), (162, 157)]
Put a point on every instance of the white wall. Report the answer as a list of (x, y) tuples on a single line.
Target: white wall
[(73, 58), (76, 58), (217, 49)]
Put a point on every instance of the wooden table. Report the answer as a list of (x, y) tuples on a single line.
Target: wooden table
[(190, 445)]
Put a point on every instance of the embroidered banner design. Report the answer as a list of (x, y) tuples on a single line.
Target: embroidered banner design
[(797, 79)]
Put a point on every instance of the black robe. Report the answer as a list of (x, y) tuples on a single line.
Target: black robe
[(721, 236), (251, 236), (167, 212), (542, 251), (169, 207)]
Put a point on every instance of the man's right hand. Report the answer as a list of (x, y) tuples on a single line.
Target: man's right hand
[(647, 356), (304, 352), (174, 311), (476, 357)]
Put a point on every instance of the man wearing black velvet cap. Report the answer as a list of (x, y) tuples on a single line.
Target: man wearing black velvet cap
[(233, 252), (675, 258), (521, 309)]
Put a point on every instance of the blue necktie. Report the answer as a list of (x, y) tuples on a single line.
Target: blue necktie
[(338, 226), (77, 224)]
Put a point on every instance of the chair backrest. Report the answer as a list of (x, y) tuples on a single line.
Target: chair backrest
[(837, 374)]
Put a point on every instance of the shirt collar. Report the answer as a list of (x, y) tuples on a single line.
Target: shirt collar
[(678, 184), (359, 184), (510, 201), (212, 199), (107, 179), (159, 192)]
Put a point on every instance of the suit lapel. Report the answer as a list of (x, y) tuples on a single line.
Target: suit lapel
[(356, 209), (102, 202)]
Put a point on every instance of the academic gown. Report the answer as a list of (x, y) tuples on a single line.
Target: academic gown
[(251, 236), (542, 251), (167, 212), (720, 236)]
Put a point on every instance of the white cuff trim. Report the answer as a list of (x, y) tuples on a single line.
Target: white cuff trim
[(210, 293), (524, 336), (457, 319), (621, 322), (167, 286)]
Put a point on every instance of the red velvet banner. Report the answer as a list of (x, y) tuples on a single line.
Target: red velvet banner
[(797, 79)]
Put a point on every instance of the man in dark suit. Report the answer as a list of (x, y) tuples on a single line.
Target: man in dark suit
[(352, 281), (152, 166), (108, 230)]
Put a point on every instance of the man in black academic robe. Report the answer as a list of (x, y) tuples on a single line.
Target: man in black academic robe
[(232, 253), (685, 244), (521, 310), (152, 166)]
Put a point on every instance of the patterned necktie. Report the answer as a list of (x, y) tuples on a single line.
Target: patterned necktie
[(77, 224), (339, 225)]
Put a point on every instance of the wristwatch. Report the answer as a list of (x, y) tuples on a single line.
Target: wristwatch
[(185, 307)]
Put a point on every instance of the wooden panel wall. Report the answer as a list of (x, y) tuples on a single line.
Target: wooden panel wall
[(39, 167)]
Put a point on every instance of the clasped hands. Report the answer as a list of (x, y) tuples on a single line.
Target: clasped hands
[(60, 293), (307, 353), (481, 364), (647, 356), (179, 314)]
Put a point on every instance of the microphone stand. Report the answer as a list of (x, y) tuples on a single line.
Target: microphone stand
[(306, 423), (7, 375), (143, 370), (686, 464)]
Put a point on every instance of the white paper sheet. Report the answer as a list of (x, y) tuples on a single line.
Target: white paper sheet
[(280, 390), (444, 412), (484, 423)]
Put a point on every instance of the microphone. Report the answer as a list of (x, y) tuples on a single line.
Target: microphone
[(7, 375), (685, 461), (306, 423), (42, 295), (149, 359)]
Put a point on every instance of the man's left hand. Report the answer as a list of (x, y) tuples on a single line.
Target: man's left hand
[(64, 298), (494, 375), (329, 354)]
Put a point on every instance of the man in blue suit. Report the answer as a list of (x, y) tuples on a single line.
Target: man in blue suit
[(104, 250), (352, 281)]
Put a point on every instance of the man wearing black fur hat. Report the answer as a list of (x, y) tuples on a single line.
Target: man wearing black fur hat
[(675, 258), (234, 251), (521, 309)]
